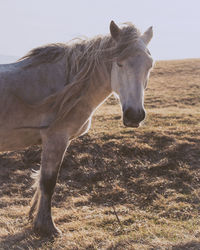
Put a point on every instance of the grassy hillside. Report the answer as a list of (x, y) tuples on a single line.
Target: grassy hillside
[(120, 188)]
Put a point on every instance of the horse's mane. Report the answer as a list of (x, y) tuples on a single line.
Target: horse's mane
[(83, 59), (82, 55)]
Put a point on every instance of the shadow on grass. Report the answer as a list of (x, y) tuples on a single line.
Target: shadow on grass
[(142, 172), (187, 246), (25, 239)]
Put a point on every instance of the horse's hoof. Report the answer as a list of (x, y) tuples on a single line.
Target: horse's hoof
[(48, 231)]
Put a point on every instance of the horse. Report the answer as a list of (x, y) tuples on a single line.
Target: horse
[(49, 96)]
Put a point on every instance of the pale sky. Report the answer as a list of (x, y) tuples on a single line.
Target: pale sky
[(26, 24)]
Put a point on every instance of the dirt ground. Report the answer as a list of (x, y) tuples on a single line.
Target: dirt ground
[(120, 188)]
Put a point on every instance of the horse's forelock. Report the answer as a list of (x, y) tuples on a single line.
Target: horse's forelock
[(127, 43)]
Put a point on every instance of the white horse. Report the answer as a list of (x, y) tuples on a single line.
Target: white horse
[(49, 96)]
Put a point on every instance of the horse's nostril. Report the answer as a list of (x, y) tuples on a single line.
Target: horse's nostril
[(130, 115), (134, 116)]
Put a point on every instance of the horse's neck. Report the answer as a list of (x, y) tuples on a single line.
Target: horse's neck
[(99, 89)]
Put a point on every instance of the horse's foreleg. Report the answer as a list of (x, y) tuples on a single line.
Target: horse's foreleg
[(54, 147)]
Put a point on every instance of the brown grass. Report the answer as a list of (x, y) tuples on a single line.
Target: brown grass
[(120, 188)]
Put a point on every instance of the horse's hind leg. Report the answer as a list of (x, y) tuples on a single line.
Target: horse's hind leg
[(54, 147), (33, 204)]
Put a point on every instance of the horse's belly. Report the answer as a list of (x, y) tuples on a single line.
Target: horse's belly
[(18, 139)]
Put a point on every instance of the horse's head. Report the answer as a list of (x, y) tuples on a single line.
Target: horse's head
[(130, 72)]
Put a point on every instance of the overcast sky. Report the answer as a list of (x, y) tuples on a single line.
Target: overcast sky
[(26, 24)]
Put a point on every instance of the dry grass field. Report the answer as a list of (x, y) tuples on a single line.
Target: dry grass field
[(120, 188)]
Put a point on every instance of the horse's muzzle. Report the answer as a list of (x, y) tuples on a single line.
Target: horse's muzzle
[(132, 118)]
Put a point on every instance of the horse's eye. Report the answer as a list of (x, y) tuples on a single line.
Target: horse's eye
[(119, 64)]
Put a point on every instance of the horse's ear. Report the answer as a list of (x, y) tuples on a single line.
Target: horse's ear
[(148, 34), (114, 30)]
